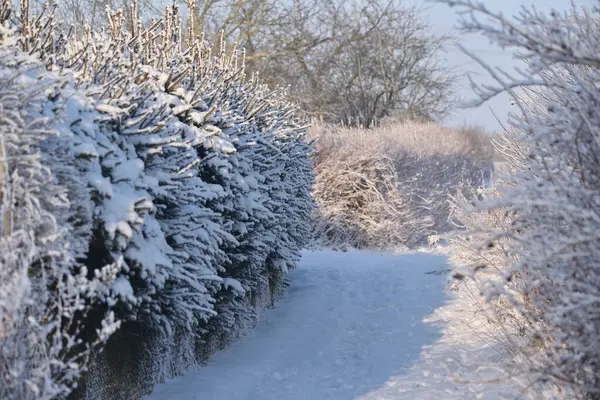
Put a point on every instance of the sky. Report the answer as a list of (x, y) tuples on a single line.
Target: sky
[(444, 20)]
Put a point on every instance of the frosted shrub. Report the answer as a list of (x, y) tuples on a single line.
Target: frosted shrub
[(181, 187), (545, 269), (45, 292), (390, 185), (211, 170)]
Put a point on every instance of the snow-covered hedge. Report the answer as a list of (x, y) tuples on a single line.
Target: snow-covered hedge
[(389, 186), (533, 243), (189, 180), (45, 290)]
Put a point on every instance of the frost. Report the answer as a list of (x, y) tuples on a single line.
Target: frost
[(45, 222), (122, 288), (532, 242)]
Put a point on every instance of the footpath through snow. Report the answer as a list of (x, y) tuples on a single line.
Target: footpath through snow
[(351, 326)]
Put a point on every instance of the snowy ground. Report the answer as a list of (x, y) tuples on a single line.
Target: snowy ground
[(351, 326)]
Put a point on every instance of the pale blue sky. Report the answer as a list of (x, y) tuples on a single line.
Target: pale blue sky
[(443, 19)]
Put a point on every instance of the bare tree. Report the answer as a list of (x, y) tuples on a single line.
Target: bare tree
[(361, 61), (78, 13)]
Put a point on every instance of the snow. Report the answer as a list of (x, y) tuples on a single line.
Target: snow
[(350, 326), (108, 109), (234, 284), (121, 287), (452, 368)]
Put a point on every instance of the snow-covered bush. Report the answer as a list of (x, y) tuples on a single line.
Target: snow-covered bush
[(45, 292), (216, 163), (389, 186), (180, 175), (536, 238), (227, 164)]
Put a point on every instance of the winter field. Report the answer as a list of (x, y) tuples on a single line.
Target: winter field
[(352, 325)]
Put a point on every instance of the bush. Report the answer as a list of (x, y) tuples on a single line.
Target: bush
[(389, 186), (45, 292), (189, 180), (537, 236)]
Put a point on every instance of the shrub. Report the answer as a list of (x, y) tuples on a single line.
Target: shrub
[(218, 154), (188, 179), (389, 185), (45, 292), (542, 225)]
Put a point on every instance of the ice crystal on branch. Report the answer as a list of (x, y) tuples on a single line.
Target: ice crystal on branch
[(538, 234)]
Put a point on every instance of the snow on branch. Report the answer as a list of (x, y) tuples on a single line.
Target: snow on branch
[(187, 182), (44, 292), (534, 239)]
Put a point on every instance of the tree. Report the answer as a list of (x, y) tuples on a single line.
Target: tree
[(360, 62)]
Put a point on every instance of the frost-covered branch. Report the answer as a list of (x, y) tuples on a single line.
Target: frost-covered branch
[(389, 186), (541, 222)]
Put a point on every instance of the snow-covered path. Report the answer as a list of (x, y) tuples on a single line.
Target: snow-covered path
[(348, 323)]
